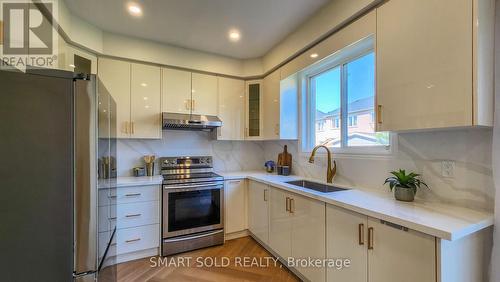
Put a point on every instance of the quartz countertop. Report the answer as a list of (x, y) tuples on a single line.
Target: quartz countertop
[(131, 181), (444, 221)]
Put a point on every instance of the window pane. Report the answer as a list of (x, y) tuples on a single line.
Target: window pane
[(325, 87), (361, 104)]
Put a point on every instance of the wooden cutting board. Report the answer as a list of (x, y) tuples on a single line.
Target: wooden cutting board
[(285, 158)]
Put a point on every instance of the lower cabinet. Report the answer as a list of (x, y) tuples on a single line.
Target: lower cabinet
[(135, 212), (378, 251), (258, 210), (297, 230), (235, 202)]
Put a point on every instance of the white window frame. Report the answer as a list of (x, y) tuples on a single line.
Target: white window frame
[(308, 102)]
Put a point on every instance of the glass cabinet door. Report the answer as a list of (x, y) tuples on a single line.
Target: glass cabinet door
[(254, 92)]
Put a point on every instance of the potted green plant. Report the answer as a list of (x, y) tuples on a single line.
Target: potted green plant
[(405, 185)]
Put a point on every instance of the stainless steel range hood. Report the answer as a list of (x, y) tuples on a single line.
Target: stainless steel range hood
[(176, 121)]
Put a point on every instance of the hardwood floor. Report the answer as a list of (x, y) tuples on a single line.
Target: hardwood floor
[(241, 259)]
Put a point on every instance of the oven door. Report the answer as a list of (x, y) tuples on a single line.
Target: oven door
[(192, 208)]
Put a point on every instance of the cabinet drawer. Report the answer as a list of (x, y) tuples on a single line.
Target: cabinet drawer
[(135, 239), (128, 195), (128, 215)]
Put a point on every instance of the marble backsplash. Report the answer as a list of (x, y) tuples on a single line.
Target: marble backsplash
[(227, 155), (470, 149), (471, 186)]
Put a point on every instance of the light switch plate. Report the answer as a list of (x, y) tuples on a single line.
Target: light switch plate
[(448, 169)]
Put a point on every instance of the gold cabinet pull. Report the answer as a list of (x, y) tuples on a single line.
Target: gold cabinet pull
[(287, 204), (379, 114), (133, 195), (292, 205), (265, 195), (133, 240), (361, 234), (186, 104), (133, 215), (370, 238), (126, 127)]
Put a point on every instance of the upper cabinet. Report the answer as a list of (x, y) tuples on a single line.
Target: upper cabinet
[(280, 107), (145, 98), (231, 109), (271, 106), (434, 64), (176, 91), (204, 94), (253, 111), (136, 88), (185, 92)]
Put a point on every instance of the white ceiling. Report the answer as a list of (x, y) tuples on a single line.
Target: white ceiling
[(203, 24)]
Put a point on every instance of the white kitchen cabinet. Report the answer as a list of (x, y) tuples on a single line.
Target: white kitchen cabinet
[(231, 109), (253, 112), (176, 91), (280, 223), (434, 64), (114, 78), (271, 106), (397, 254), (235, 202), (145, 116), (378, 251), (297, 229), (204, 94), (258, 210), (346, 237), (308, 234), (136, 89)]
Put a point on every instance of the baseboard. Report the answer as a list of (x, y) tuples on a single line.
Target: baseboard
[(282, 260), (131, 256), (236, 235)]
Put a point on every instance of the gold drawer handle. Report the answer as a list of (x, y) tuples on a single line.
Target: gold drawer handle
[(370, 238), (292, 205), (112, 218), (112, 196), (133, 195), (361, 234), (133, 240), (287, 204), (133, 215)]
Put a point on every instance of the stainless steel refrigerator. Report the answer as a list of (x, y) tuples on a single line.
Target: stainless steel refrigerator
[(50, 146)]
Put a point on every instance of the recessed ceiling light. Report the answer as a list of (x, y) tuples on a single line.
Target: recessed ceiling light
[(134, 9), (314, 55), (234, 35)]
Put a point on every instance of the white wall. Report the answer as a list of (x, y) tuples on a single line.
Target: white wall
[(328, 18), (422, 152)]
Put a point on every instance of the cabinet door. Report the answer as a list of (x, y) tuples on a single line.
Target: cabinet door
[(145, 116), (346, 237), (280, 224), (253, 110), (114, 78), (271, 106), (176, 91), (399, 255), (235, 201), (308, 234), (258, 210), (204, 94), (231, 109), (289, 108), (424, 64)]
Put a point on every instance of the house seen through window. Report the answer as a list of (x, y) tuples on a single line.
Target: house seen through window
[(343, 103)]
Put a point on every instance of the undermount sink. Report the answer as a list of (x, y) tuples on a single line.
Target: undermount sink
[(320, 187)]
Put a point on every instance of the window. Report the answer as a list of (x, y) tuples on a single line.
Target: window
[(342, 90)]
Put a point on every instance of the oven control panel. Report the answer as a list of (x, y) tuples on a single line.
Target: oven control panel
[(186, 162)]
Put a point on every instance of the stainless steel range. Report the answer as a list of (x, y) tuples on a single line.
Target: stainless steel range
[(192, 204)]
